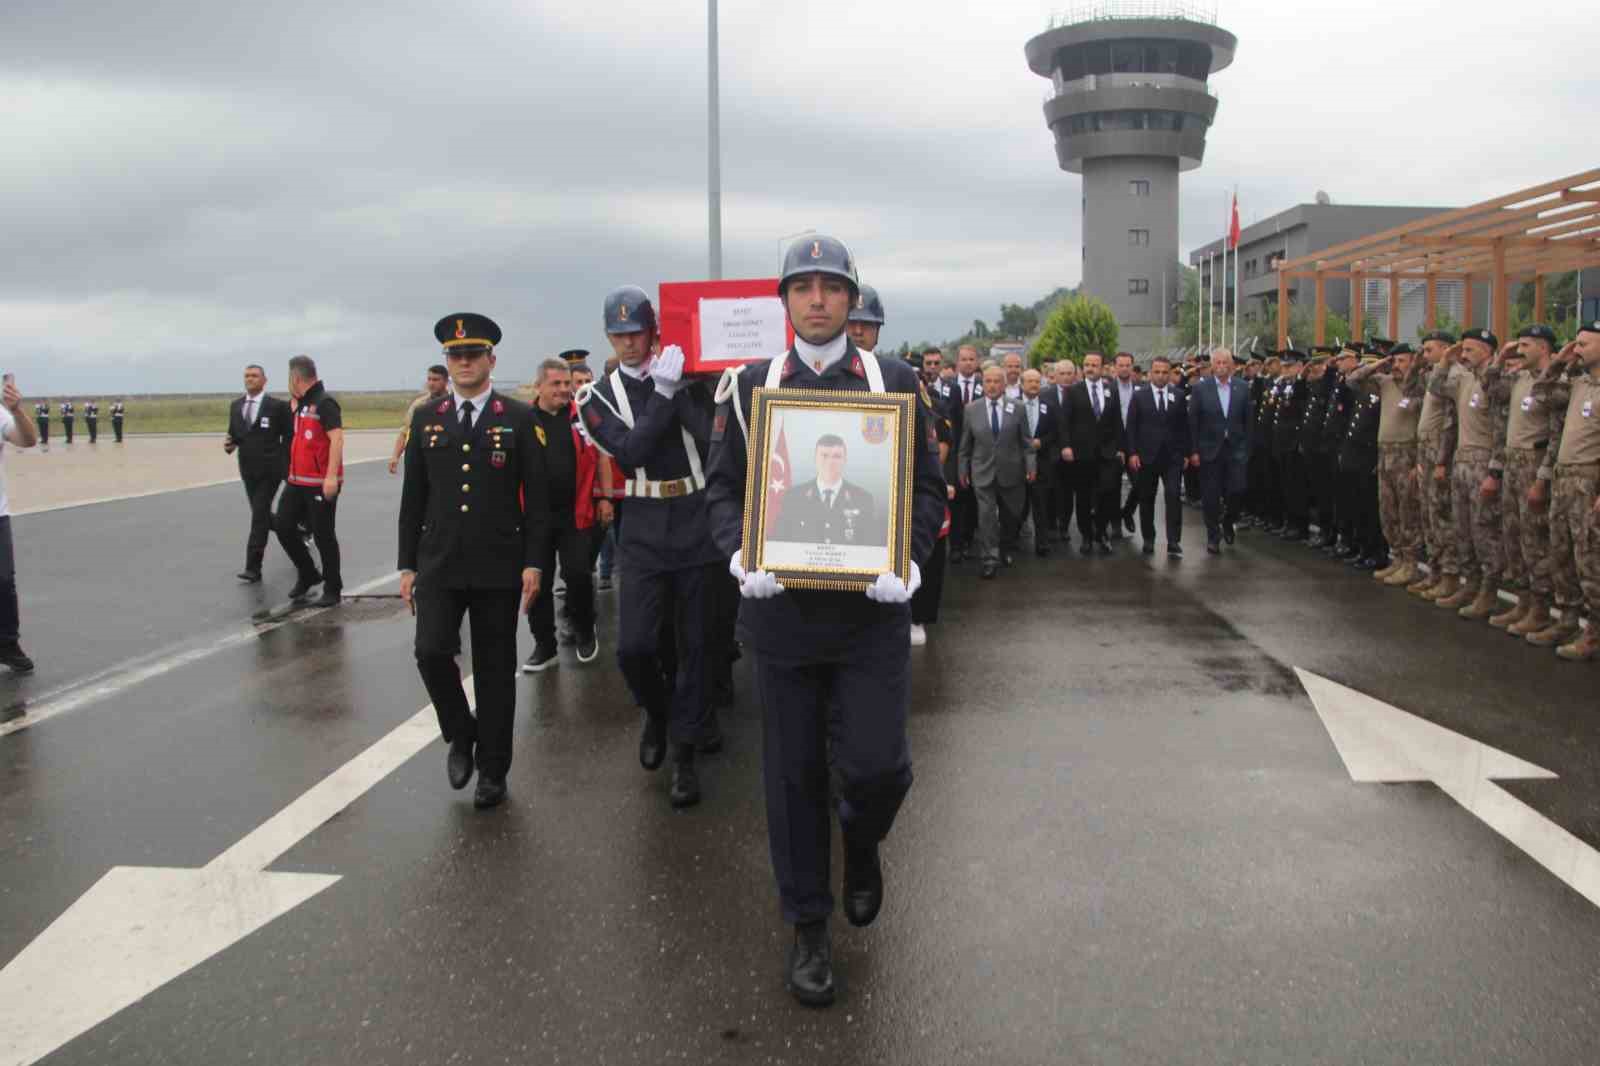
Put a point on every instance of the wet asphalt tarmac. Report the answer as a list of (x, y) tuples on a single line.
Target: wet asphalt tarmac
[(1130, 839)]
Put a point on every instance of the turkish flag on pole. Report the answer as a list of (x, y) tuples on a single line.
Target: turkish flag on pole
[(1233, 226), (777, 477)]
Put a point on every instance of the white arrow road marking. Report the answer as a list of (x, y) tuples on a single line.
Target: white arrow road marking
[(1379, 742), (139, 927)]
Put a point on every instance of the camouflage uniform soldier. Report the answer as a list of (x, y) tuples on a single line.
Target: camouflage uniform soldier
[(1398, 382), (1474, 475), (1522, 441), (1436, 423), (1570, 391)]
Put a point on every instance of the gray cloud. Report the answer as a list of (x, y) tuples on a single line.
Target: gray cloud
[(191, 185)]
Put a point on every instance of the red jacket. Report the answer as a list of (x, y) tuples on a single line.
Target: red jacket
[(315, 416)]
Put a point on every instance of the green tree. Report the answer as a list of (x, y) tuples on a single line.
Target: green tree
[(1441, 320), (980, 328), (1016, 321), (1081, 324)]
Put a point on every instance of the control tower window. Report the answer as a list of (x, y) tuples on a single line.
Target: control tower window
[(1138, 286), (1139, 187), (1139, 238)]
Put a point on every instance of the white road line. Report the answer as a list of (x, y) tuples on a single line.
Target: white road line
[(137, 671), (139, 927), (153, 492)]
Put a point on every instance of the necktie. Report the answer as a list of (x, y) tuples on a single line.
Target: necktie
[(994, 418), (1094, 392), (1033, 418), (466, 414), (827, 499), (1161, 402), (966, 389), (249, 411)]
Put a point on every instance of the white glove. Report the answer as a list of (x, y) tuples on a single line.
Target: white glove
[(666, 370), (760, 585), (890, 589)]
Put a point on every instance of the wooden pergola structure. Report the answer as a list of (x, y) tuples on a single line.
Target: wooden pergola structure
[(1547, 229)]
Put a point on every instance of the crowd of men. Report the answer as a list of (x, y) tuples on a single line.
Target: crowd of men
[(69, 419), (1458, 472)]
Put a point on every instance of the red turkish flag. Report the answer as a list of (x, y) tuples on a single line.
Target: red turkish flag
[(777, 477), (1233, 226)]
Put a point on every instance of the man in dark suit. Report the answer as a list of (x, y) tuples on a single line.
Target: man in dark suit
[(965, 389), (1059, 470), (1091, 436), (1039, 412), (1158, 450), (1219, 427), (259, 427), (472, 516)]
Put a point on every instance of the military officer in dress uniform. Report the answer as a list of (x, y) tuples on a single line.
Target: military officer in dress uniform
[(41, 414), (91, 418), (471, 516), (658, 427), (829, 509), (118, 412), (67, 417), (827, 663)]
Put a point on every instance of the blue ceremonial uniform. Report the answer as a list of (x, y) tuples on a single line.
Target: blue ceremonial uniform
[(664, 544), (827, 663)]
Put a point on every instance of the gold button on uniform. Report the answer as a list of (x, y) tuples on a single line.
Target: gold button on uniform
[(466, 447), (465, 487), (465, 467), (463, 507)]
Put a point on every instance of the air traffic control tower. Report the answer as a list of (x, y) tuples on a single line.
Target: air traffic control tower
[(1130, 109)]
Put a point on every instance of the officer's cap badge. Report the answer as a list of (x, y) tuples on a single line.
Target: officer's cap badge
[(622, 312), (816, 249), (461, 329)]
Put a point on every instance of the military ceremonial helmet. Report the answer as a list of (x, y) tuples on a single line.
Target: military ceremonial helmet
[(466, 330), (867, 308), (819, 255), (629, 310)]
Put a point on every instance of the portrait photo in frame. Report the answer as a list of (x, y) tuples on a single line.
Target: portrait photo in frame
[(828, 497)]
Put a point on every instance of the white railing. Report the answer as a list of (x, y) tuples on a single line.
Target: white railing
[(1091, 82), (1097, 10)]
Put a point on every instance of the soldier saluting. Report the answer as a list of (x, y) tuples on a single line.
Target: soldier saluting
[(826, 662), (118, 412), (471, 513)]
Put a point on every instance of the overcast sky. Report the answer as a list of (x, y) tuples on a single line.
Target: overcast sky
[(190, 185)]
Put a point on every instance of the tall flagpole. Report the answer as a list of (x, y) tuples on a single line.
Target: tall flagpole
[(1231, 210), (714, 120)]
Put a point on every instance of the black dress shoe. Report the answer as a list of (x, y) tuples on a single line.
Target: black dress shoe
[(685, 790), (653, 741), (989, 570), (303, 586), (1174, 551), (1149, 547), (1213, 548), (810, 976), (863, 884), (329, 598), (458, 764), (249, 577), (13, 656), (491, 791)]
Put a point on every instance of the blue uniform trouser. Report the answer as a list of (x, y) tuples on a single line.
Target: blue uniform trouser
[(860, 704), (654, 602)]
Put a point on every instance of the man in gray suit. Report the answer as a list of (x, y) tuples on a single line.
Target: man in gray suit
[(1220, 419), (997, 463)]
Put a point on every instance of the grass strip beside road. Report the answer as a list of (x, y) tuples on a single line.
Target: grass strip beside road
[(208, 413)]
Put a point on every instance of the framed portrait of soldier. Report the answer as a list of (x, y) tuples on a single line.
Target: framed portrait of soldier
[(828, 501)]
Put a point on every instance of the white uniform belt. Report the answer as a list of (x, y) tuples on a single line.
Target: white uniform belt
[(663, 490)]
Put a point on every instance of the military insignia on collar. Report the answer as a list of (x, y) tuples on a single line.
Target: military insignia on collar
[(497, 407), (443, 408), (791, 367), (856, 368)]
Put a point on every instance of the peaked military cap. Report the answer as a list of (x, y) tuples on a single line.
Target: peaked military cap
[(1483, 336), (1440, 335), (467, 330), (575, 357)]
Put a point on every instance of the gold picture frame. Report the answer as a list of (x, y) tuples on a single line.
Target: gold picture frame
[(828, 491)]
